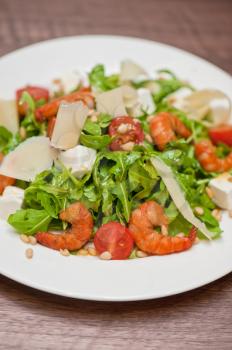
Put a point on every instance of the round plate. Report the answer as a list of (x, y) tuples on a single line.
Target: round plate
[(89, 277)]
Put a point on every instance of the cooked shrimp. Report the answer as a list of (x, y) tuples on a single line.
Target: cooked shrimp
[(74, 238), (142, 223), (164, 127), (6, 181), (50, 109), (205, 152)]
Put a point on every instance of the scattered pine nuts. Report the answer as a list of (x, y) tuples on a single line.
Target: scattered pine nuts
[(217, 214), (128, 146), (93, 118), (199, 211), (148, 138), (25, 238), (29, 253), (164, 230), (149, 119), (141, 254), (105, 256), (64, 252), (32, 240), (22, 132), (82, 252), (92, 251), (209, 192)]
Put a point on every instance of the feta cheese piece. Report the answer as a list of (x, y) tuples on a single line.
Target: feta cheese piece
[(70, 120), (111, 102), (10, 201), (9, 115), (28, 159), (80, 159), (221, 187)]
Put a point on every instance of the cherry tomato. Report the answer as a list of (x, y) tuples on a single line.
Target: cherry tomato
[(5, 181), (38, 93), (51, 125), (114, 238), (222, 134), (132, 132)]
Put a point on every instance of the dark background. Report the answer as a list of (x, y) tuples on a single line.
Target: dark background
[(201, 319)]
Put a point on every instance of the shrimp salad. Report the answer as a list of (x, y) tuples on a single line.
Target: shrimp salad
[(116, 166)]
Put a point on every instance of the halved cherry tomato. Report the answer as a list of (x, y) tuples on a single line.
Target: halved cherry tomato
[(222, 134), (133, 134), (51, 125), (114, 238), (5, 181), (38, 93)]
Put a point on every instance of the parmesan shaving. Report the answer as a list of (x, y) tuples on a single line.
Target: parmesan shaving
[(71, 118), (178, 197), (111, 102), (132, 71), (9, 115)]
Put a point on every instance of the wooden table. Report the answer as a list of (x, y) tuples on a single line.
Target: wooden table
[(201, 319)]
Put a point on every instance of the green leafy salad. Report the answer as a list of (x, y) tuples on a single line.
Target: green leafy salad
[(123, 166)]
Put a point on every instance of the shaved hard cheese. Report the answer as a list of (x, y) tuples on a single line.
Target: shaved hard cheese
[(111, 102), (178, 197), (70, 120), (10, 201), (132, 71), (80, 159), (31, 157), (67, 83), (9, 115)]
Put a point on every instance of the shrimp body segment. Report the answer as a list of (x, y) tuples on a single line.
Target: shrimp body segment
[(50, 109), (142, 223), (205, 152), (74, 238), (164, 127)]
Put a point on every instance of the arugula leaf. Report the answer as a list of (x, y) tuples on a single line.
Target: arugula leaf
[(30, 221), (8, 141), (100, 81), (120, 190), (95, 141)]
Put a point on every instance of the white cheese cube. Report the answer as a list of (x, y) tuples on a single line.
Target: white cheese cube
[(80, 159), (10, 201), (13, 191), (222, 191)]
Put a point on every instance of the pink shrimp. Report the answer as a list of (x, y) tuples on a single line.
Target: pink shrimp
[(164, 127), (50, 109), (142, 222), (205, 152), (74, 238)]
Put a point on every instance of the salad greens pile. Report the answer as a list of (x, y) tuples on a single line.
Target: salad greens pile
[(120, 180)]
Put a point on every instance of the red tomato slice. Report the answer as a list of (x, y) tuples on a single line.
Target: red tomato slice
[(222, 134), (114, 238), (38, 93), (134, 132)]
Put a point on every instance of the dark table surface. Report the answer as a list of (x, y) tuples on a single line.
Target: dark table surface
[(200, 319)]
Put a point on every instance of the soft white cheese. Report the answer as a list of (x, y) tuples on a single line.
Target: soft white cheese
[(9, 115), (31, 157), (80, 159), (10, 201), (222, 191), (70, 120)]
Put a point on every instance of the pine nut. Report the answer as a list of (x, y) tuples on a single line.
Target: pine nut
[(196, 240), (105, 256), (148, 138), (22, 132), (82, 252), (92, 251), (128, 146), (164, 230), (181, 235), (93, 118), (230, 179), (199, 211), (25, 238), (29, 253), (64, 252), (149, 119), (141, 254), (230, 213), (217, 214), (209, 192), (32, 240)]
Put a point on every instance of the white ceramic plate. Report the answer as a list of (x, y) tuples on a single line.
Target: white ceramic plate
[(88, 277)]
